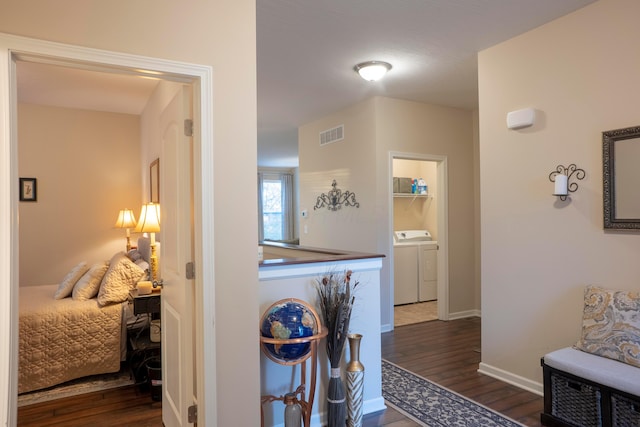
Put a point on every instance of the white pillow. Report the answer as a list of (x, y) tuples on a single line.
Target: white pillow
[(142, 264), (121, 277), (89, 284), (66, 286), (144, 247)]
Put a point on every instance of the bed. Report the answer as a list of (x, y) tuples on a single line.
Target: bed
[(78, 327)]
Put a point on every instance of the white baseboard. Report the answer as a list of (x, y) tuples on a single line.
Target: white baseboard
[(464, 314), (368, 407), (508, 377), (373, 405), (386, 327)]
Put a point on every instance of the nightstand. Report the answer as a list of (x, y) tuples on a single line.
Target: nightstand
[(142, 348), (149, 303)]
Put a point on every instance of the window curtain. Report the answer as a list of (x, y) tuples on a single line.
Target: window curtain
[(260, 213), (287, 206), (286, 188)]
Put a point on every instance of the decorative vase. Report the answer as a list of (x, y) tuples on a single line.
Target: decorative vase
[(355, 383), (292, 411), (336, 400)]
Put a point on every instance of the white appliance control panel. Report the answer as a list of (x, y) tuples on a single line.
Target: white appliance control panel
[(406, 236)]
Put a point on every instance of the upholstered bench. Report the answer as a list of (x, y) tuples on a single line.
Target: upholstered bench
[(582, 389), (596, 383)]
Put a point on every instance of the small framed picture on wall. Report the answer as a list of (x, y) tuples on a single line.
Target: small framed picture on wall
[(28, 190)]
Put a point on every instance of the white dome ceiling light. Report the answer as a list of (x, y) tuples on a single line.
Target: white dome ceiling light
[(372, 70)]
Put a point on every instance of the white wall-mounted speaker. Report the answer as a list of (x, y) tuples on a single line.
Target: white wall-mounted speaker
[(521, 118)]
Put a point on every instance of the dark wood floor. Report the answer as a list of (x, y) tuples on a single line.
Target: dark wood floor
[(444, 352), (126, 406), (448, 353)]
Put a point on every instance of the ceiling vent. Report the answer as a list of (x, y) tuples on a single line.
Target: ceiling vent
[(332, 135)]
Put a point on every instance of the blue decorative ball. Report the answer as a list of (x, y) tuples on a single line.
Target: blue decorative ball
[(289, 319)]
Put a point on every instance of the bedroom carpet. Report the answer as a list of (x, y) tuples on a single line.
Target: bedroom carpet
[(432, 405), (76, 387)]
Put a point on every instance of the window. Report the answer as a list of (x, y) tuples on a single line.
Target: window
[(275, 206), (272, 209)]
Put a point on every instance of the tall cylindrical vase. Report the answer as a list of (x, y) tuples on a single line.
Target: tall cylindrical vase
[(355, 383), (336, 400)]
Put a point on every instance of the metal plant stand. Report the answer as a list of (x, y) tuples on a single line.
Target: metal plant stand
[(305, 404)]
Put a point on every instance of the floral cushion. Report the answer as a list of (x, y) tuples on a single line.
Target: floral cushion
[(611, 324)]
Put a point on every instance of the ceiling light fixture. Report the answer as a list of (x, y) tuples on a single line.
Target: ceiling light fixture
[(372, 70)]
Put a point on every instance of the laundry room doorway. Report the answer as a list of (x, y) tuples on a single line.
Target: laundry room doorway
[(419, 265)]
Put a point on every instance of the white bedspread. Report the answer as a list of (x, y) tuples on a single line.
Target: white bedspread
[(61, 340)]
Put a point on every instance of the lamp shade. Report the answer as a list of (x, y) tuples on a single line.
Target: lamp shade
[(126, 219), (149, 221), (372, 70)]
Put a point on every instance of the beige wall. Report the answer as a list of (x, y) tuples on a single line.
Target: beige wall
[(360, 163), (581, 72), (150, 133), (349, 162), (412, 127), (220, 34), (87, 167)]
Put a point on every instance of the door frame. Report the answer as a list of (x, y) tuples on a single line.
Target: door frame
[(443, 228), (201, 78)]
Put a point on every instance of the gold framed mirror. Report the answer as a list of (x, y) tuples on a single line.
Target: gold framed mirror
[(154, 181), (621, 175)]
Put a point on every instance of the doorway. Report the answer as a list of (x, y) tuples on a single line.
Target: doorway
[(200, 78), (419, 261)]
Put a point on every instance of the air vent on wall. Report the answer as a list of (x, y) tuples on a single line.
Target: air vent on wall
[(332, 135)]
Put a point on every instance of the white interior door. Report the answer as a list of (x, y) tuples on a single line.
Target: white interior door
[(176, 205)]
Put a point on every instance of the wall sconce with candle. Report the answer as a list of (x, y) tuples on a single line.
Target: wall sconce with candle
[(563, 178)]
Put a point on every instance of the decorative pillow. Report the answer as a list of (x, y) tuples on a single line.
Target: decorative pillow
[(66, 286), (134, 255), (89, 284), (611, 324), (144, 247), (121, 276), (142, 264)]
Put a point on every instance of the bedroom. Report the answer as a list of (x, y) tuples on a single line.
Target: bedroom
[(89, 163)]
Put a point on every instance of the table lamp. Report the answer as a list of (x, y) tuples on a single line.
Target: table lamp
[(126, 220), (149, 222)]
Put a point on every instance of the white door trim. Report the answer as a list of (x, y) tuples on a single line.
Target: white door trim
[(443, 228), (201, 77)]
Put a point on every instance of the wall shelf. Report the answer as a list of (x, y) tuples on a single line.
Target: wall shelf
[(411, 196)]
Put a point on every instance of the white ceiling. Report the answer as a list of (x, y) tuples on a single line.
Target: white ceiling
[(306, 50), (75, 88)]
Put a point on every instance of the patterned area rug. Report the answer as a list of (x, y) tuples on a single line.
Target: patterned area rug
[(77, 387), (433, 406)]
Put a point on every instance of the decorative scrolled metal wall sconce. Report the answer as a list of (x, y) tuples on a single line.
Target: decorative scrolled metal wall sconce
[(335, 198), (562, 176)]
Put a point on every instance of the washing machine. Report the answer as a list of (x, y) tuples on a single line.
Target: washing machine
[(414, 267)]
